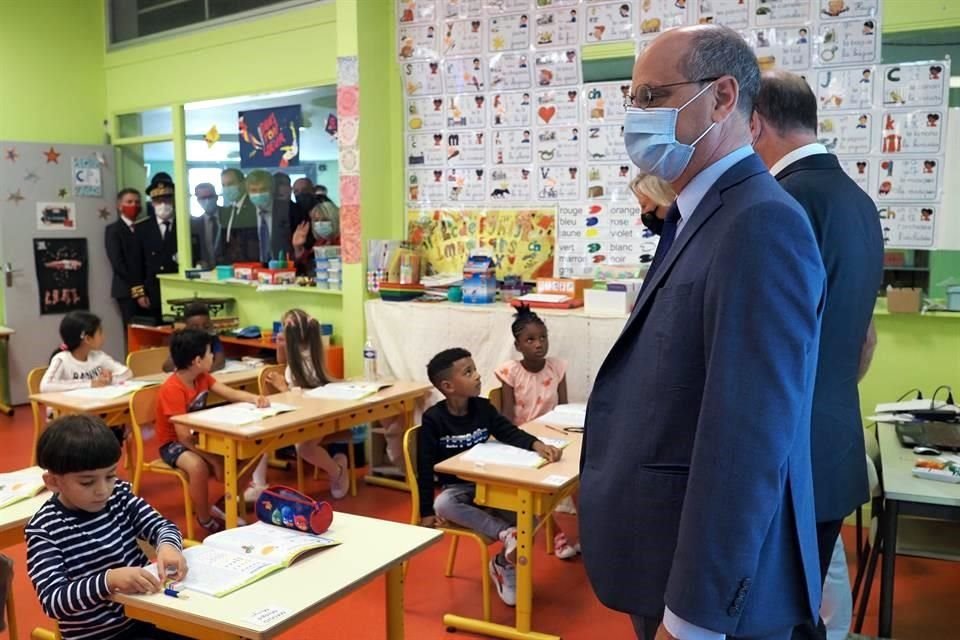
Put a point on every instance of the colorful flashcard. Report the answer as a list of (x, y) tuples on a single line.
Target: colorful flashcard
[(549, 4), (657, 16), (610, 182), (859, 168), (425, 113), (558, 182), (416, 11), (510, 109), (846, 133), (495, 6), (511, 146), (915, 84), (768, 13), (605, 102), (425, 185), (466, 148), (466, 111), (509, 32), (511, 184), (908, 179), (510, 71), (913, 131), (466, 184), (557, 68), (557, 28), (464, 75), (422, 78), (849, 42), (557, 106), (426, 149), (846, 88), (418, 41), (463, 8), (462, 37), (730, 13), (907, 225), (785, 48), (609, 22), (836, 9), (605, 143), (559, 145)]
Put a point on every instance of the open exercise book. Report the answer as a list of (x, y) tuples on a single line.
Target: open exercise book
[(346, 390), (111, 391), (565, 415), (234, 558), (493, 452), (20, 485), (241, 413)]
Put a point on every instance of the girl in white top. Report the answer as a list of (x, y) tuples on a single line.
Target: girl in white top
[(80, 363), (300, 347)]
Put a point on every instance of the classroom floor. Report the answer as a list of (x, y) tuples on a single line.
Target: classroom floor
[(564, 602)]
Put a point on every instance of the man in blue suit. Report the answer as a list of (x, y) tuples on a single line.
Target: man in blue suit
[(696, 493), (845, 223)]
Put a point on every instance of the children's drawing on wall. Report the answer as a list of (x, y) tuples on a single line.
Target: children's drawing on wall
[(61, 266)]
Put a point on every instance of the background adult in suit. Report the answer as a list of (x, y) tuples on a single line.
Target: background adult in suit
[(844, 219), (274, 223), (206, 232), (238, 219), (157, 238), (123, 251), (696, 499)]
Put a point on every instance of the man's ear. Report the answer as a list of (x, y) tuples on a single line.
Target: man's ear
[(755, 125), (727, 93), (51, 481)]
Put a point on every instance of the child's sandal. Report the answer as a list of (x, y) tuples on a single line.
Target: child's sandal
[(562, 547)]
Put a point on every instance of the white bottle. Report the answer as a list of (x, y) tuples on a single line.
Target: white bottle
[(369, 361)]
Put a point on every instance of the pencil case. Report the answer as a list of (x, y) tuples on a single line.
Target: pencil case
[(286, 507)]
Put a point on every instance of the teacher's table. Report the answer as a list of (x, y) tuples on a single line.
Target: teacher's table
[(5, 333), (314, 418), (529, 493), (13, 519), (905, 495), (268, 607)]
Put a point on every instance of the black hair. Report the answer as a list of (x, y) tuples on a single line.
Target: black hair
[(75, 327), (186, 345), (438, 369), (786, 102), (196, 309), (77, 443), (124, 192), (525, 316)]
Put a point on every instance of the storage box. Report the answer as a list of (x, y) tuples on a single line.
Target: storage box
[(953, 297), (479, 280), (903, 300), (276, 276), (617, 300), (224, 271), (573, 287), (246, 270)]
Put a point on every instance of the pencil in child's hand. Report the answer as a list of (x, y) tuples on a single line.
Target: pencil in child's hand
[(557, 429)]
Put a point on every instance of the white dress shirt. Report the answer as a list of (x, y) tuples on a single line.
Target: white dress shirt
[(812, 149)]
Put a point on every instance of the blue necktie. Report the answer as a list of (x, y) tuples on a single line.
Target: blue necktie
[(667, 236), (264, 239)]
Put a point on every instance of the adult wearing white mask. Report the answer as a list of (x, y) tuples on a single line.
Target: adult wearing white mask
[(206, 230), (158, 244), (240, 240), (323, 229), (696, 497)]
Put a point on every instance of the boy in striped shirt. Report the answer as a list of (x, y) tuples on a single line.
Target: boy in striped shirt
[(82, 543)]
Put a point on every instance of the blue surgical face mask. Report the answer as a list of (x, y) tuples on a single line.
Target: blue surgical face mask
[(209, 205), (260, 200), (650, 136), (231, 193), (323, 228)]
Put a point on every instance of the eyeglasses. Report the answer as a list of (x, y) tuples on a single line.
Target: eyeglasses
[(646, 93)]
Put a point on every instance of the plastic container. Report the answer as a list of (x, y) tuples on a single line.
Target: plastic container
[(369, 361), (224, 271), (953, 297)]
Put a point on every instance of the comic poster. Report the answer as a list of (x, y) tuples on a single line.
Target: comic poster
[(62, 267), (270, 137)]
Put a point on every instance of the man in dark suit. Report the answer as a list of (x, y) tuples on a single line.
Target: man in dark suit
[(157, 237), (696, 498), (844, 219), (274, 231), (123, 251), (206, 231), (239, 219)]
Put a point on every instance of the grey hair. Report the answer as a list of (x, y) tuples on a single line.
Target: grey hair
[(720, 51)]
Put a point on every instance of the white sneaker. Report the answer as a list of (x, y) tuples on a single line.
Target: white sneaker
[(252, 492), (505, 579), (340, 485), (217, 511), (509, 539), (566, 506)]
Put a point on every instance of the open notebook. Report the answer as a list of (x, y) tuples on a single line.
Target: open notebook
[(241, 413), (346, 390), (492, 452), (111, 391), (565, 415), (20, 485), (234, 558)]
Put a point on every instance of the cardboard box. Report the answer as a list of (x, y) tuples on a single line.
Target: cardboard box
[(573, 287), (246, 270), (598, 302), (903, 300), (479, 280)]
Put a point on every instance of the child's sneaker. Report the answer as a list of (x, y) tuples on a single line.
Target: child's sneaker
[(340, 485), (218, 510), (252, 492), (213, 525), (566, 506), (562, 547), (505, 578), (509, 539)]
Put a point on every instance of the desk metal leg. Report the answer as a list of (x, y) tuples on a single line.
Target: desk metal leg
[(395, 602), (230, 483), (525, 529), (890, 512)]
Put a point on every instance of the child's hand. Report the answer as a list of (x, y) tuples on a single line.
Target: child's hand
[(546, 451), (432, 521), (132, 580), (262, 402), (171, 565), (102, 380)]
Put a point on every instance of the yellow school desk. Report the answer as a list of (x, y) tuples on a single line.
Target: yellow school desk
[(370, 547), (530, 493), (5, 333), (13, 519), (115, 411), (313, 418)]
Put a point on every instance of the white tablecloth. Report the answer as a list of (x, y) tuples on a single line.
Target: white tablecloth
[(408, 334)]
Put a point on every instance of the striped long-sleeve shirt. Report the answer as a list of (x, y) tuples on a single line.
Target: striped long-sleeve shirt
[(69, 553)]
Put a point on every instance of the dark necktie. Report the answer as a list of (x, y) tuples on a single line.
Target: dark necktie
[(166, 229), (667, 235), (264, 239)]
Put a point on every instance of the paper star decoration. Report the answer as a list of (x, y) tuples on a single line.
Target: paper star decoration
[(31, 176), (104, 213), (52, 156), (62, 193), (15, 197), (211, 137), (12, 155)]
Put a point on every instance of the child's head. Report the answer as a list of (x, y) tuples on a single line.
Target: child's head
[(79, 456), (453, 373), (190, 350), (81, 329), (301, 334), (530, 335), (196, 315)]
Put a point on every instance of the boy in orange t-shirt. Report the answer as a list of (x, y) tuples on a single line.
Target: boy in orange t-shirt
[(186, 390)]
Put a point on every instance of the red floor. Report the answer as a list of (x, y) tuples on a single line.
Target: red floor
[(564, 604)]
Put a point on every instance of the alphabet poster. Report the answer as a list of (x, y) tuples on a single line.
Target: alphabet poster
[(609, 22), (558, 28), (511, 184), (511, 109), (908, 226), (466, 185), (846, 88), (918, 84)]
